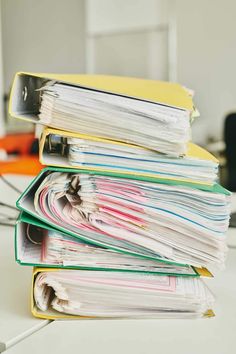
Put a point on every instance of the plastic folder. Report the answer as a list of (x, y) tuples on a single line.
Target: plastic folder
[(28, 252), (52, 314), (195, 152), (25, 100)]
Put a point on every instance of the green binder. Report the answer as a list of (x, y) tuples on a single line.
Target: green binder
[(29, 254), (25, 203)]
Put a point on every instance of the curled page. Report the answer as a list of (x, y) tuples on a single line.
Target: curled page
[(179, 223)]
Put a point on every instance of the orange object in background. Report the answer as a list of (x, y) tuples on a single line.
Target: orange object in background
[(23, 161), (22, 165), (17, 143)]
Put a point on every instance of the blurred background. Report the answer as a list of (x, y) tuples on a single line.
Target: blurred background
[(191, 42)]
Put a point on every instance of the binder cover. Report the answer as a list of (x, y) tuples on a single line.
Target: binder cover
[(25, 100)]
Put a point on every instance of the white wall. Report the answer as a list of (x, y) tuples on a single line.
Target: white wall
[(43, 36), (206, 59)]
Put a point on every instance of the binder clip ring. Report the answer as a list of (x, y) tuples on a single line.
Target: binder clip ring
[(24, 93)]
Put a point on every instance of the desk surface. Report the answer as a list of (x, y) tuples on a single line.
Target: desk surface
[(16, 321), (210, 336), (206, 336)]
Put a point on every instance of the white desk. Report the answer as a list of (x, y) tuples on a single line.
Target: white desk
[(16, 321), (206, 336), (215, 335)]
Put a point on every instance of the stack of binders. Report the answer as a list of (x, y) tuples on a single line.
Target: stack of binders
[(128, 217)]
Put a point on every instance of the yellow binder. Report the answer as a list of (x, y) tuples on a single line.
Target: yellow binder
[(194, 151), (25, 99), (52, 314)]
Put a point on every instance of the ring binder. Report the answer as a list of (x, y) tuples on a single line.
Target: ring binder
[(128, 217)]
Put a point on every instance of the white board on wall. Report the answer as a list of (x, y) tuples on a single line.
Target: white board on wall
[(115, 15), (141, 54), (128, 38)]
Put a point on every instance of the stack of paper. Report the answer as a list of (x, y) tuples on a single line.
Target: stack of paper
[(184, 224), (158, 113), (41, 245), (129, 214), (153, 125), (103, 294), (58, 148)]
